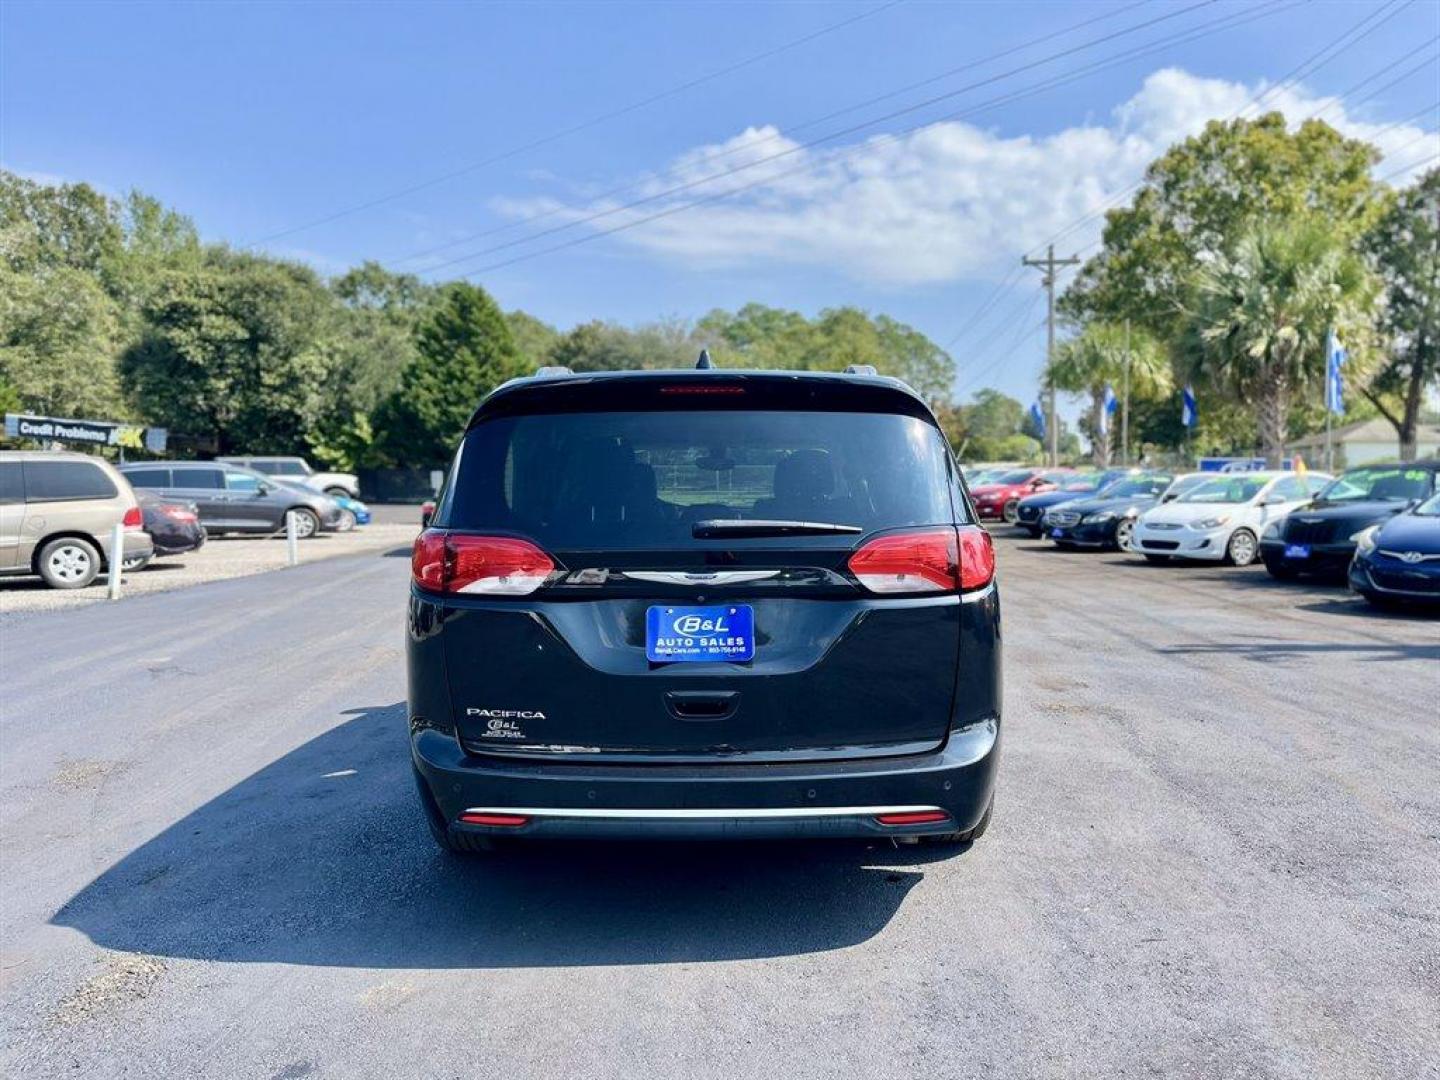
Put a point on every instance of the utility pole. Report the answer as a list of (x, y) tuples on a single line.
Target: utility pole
[(1049, 265), (1125, 405)]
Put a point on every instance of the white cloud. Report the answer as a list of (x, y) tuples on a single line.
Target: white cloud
[(950, 200)]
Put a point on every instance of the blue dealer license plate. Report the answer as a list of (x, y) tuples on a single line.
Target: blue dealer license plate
[(1057, 532), (719, 632), (1297, 551)]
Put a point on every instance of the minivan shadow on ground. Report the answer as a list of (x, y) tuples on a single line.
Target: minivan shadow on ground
[(306, 862)]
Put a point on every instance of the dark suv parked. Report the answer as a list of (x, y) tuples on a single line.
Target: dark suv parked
[(704, 604), (235, 500)]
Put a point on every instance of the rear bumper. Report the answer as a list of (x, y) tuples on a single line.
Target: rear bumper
[(719, 801)]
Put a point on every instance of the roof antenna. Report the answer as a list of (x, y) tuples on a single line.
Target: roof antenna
[(704, 363)]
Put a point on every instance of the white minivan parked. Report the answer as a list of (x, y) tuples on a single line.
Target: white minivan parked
[(1223, 518)]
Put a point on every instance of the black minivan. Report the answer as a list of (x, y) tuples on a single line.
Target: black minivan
[(704, 604)]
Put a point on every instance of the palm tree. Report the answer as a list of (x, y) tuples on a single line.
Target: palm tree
[(1102, 355), (1258, 317)]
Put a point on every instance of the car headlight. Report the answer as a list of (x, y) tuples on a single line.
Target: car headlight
[(1272, 531), (1097, 517), (1365, 539), (1211, 522)]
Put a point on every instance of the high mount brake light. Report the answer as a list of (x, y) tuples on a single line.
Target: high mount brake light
[(447, 562), (702, 390), (943, 559)]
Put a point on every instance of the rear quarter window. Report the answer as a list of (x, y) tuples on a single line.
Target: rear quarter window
[(12, 482), (57, 481), (148, 478), (596, 480)]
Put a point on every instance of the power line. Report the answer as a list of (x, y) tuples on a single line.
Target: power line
[(1312, 63), (1375, 75), (576, 128), (1407, 168), (1205, 29), (791, 129)]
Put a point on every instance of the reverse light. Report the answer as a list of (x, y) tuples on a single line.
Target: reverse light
[(506, 821), (447, 562), (947, 559), (133, 518), (913, 817)]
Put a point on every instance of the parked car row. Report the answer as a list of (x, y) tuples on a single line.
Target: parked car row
[(58, 509), (1377, 527)]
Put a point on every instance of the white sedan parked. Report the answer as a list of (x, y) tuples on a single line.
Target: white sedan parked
[(1222, 518)]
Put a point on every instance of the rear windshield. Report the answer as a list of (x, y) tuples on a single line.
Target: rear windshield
[(641, 479)]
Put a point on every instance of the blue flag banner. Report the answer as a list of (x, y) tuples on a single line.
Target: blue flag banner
[(1107, 409), (1188, 412), (1037, 416), (1335, 357)]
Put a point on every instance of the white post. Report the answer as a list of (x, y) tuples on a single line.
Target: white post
[(117, 556), (292, 539)]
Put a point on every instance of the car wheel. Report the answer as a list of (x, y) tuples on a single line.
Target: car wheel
[(307, 522), (1124, 531), (68, 563), (135, 562), (1011, 513), (347, 521), (334, 490), (1034, 532), (968, 836), (1156, 558), (1280, 572), (1241, 548)]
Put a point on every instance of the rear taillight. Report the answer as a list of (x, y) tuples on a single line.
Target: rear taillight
[(945, 559), (449, 562), (913, 817), (977, 557), (495, 821), (133, 519), (179, 513)]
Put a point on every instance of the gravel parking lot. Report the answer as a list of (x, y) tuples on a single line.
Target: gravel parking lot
[(1216, 853), (222, 557)]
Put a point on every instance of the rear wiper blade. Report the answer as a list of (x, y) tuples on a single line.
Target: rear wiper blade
[(727, 527)]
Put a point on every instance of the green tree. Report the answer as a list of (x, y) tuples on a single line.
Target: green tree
[(235, 350), (1258, 318), (1405, 246), (534, 339), (464, 349), (1106, 355), (59, 332), (1202, 197)]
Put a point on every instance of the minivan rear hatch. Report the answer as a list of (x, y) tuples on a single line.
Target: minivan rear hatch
[(672, 570)]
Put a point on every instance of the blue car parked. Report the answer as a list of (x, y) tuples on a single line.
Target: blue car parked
[(1398, 561)]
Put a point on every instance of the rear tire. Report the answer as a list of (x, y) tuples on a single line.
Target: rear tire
[(68, 563), (968, 836), (137, 562)]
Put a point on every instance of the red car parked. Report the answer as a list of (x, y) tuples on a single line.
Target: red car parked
[(998, 499)]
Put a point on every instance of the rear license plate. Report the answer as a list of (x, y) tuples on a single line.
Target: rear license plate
[(718, 632), (1297, 551), (1057, 533)]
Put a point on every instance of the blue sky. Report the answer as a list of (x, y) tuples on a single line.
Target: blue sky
[(258, 119)]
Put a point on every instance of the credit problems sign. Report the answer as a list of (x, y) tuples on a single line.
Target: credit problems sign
[(87, 432)]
